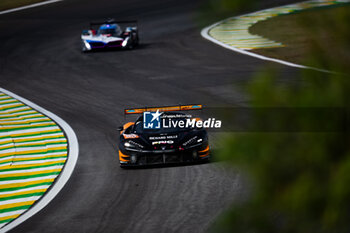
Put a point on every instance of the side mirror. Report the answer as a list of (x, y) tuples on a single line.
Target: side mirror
[(86, 33), (121, 128)]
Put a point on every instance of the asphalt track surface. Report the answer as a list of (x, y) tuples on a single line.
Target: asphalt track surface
[(40, 60)]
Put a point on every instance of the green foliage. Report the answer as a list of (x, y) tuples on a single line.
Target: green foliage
[(329, 35), (308, 32), (8, 4), (300, 179)]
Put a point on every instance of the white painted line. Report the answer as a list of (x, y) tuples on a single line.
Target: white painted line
[(24, 131), (25, 138), (27, 180), (38, 162), (47, 141), (21, 114), (27, 189), (45, 157), (205, 34), (18, 200), (25, 121), (11, 213), (29, 6), (64, 175), (20, 172)]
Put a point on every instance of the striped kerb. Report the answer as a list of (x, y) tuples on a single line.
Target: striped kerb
[(33, 151), (235, 31)]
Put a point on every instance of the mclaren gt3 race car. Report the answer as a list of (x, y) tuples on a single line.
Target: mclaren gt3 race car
[(109, 35), (140, 145)]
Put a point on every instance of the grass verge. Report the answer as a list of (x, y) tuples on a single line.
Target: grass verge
[(9, 4), (302, 33)]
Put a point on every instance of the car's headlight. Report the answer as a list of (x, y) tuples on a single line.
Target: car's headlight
[(87, 45), (132, 144), (125, 42), (191, 141), (127, 144), (195, 140)]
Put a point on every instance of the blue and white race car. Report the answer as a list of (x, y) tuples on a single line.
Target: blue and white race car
[(109, 35)]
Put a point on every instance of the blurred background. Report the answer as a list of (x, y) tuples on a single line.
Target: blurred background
[(298, 181)]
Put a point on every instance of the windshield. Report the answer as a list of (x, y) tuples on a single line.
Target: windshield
[(113, 30)]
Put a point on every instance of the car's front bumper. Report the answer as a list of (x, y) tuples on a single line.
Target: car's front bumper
[(144, 157), (99, 45)]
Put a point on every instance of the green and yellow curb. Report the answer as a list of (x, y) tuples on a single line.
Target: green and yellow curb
[(235, 31), (34, 150)]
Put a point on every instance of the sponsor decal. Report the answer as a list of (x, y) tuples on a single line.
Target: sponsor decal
[(151, 120), (163, 137), (162, 142), (155, 120), (191, 123)]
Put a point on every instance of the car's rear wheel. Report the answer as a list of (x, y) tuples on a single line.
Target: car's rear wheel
[(135, 41)]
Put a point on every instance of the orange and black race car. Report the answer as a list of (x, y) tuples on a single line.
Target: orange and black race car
[(162, 135)]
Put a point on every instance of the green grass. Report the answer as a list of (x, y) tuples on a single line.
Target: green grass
[(8, 4), (303, 33)]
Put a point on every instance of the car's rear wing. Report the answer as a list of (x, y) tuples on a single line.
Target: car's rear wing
[(113, 21), (163, 109)]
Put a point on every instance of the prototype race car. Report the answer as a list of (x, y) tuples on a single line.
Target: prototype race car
[(139, 145), (109, 35)]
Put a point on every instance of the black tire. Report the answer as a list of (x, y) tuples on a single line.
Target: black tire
[(123, 166), (135, 41)]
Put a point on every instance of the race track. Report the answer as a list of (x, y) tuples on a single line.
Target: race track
[(40, 59)]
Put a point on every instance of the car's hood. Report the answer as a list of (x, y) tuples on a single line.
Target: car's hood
[(172, 140), (101, 38)]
